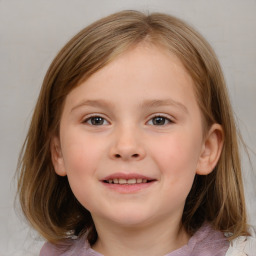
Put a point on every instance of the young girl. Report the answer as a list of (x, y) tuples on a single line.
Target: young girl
[(132, 148)]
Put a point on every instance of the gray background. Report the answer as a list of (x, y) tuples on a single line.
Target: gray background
[(31, 33)]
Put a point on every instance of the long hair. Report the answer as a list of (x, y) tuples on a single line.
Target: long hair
[(46, 198)]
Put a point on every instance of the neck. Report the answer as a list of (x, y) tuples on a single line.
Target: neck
[(148, 240)]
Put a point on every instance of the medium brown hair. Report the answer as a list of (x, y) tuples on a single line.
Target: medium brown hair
[(46, 198)]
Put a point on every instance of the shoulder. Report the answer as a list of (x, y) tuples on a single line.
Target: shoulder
[(243, 245), (72, 247), (206, 241), (49, 249)]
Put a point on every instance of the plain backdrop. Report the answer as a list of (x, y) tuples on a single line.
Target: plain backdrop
[(32, 32)]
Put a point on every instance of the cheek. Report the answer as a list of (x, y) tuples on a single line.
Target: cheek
[(177, 157), (81, 154), (78, 149), (80, 160)]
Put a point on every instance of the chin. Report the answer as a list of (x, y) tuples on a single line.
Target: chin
[(131, 219)]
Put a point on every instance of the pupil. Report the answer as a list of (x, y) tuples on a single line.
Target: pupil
[(159, 120), (97, 120)]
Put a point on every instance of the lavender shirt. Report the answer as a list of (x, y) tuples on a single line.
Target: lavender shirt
[(205, 242)]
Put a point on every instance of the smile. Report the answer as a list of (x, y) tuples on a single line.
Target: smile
[(127, 181)]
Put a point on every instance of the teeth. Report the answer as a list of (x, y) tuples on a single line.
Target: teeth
[(129, 181), (132, 181), (122, 181)]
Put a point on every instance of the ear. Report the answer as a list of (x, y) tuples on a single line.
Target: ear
[(211, 150), (57, 158)]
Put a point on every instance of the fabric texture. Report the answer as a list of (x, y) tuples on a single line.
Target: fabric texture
[(243, 245), (205, 242)]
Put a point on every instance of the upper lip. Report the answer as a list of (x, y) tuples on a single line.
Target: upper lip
[(127, 176)]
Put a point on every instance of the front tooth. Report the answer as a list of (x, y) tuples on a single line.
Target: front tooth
[(144, 181), (115, 181), (139, 180), (132, 181), (122, 181)]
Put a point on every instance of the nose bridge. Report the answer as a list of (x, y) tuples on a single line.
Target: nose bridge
[(127, 142)]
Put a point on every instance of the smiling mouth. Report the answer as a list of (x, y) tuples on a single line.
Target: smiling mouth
[(122, 181), (131, 183)]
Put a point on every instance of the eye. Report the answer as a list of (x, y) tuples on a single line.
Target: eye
[(96, 120), (159, 120)]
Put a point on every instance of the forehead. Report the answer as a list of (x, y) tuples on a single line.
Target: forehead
[(144, 72), (143, 61)]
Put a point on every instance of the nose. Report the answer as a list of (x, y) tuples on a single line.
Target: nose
[(127, 145)]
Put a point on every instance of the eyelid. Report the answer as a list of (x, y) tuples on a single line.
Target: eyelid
[(88, 117), (168, 117)]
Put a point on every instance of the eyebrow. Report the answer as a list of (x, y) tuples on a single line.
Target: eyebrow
[(145, 104), (164, 102), (94, 103)]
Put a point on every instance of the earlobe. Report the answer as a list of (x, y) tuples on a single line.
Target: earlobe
[(211, 150), (57, 158)]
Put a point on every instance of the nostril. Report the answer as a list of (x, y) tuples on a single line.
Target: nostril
[(134, 155)]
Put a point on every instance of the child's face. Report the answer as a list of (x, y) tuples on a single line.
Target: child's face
[(148, 126)]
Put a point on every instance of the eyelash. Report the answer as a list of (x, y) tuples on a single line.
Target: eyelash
[(169, 120), (162, 116), (93, 116)]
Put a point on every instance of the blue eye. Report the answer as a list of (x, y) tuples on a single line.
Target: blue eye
[(159, 120), (96, 120)]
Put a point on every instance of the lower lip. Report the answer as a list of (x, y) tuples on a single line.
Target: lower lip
[(128, 188)]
